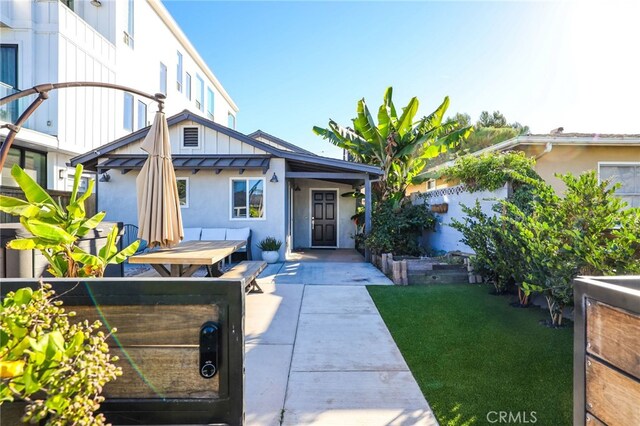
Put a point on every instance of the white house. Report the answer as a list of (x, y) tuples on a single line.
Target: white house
[(134, 43), (230, 180)]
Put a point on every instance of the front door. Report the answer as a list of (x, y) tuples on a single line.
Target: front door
[(324, 218)]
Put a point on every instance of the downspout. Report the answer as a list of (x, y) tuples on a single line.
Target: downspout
[(547, 149)]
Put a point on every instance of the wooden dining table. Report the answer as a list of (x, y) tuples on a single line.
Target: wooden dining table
[(187, 257)]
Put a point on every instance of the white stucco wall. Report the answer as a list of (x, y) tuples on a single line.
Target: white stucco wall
[(208, 199), (445, 237), (302, 208)]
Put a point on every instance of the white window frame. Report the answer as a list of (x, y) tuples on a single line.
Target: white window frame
[(229, 116), (187, 83), (186, 179), (182, 137), (210, 102), (146, 114), (200, 93), (619, 163), (264, 198), (179, 72), (128, 33), (128, 100), (163, 78)]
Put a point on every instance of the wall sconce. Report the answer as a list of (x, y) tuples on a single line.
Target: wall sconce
[(61, 173), (96, 3), (274, 178), (105, 177)]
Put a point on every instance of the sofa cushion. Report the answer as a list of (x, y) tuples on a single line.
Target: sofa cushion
[(192, 234), (213, 234), (239, 234)]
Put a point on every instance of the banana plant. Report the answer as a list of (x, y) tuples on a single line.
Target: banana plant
[(400, 145), (56, 229)]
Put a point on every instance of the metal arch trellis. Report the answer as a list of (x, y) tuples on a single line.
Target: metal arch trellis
[(42, 90)]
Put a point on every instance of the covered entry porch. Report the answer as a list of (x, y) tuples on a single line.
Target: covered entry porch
[(321, 207)]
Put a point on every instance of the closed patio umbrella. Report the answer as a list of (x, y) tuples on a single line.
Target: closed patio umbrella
[(159, 218)]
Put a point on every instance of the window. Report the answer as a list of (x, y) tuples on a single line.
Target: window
[(210, 102), (183, 191), (190, 137), (128, 35), (199, 93), (68, 3), (128, 112), (231, 121), (627, 175), (142, 115), (247, 198), (187, 83), (179, 73), (34, 164), (163, 78), (9, 80)]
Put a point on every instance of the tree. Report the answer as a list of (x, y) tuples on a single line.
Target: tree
[(399, 145)]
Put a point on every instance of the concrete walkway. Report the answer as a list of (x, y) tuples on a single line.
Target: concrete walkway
[(318, 352)]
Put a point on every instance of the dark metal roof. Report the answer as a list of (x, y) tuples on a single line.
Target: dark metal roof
[(90, 159), (191, 162), (295, 148)]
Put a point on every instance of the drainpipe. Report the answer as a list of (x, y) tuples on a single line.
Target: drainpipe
[(547, 149)]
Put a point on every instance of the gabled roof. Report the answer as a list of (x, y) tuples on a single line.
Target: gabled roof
[(90, 159), (287, 145)]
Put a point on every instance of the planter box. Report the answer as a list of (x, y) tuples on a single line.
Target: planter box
[(159, 321), (406, 270)]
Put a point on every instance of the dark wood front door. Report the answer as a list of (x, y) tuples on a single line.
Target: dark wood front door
[(324, 211)]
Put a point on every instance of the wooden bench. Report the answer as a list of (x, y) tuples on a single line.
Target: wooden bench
[(247, 271)]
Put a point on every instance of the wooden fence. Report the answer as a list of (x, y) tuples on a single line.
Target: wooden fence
[(62, 196)]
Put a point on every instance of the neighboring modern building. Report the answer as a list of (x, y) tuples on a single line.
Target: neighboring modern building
[(614, 157), (230, 180), (134, 43)]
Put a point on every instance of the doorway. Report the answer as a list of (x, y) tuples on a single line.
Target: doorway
[(324, 220)]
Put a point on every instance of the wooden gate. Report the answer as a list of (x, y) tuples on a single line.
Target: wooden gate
[(159, 322)]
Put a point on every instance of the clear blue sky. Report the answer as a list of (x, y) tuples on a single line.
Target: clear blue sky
[(292, 65)]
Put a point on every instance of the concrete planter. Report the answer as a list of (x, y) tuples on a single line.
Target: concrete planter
[(270, 256)]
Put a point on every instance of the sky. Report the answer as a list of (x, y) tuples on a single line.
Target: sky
[(292, 65)]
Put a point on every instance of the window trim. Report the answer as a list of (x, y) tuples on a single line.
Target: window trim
[(229, 115), (264, 198), (163, 80), (21, 162), (187, 83), (179, 72), (146, 114), (186, 179), (210, 102), (128, 96), (200, 103), (182, 146), (128, 33)]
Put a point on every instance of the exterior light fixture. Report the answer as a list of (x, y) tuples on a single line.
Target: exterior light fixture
[(297, 188), (105, 177), (61, 173), (274, 178), (96, 3)]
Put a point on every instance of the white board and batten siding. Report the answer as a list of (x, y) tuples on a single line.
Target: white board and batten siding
[(444, 237), (210, 142)]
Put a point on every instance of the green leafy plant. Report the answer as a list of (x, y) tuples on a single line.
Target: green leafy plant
[(396, 229), (56, 367), (270, 244), (56, 229), (399, 144)]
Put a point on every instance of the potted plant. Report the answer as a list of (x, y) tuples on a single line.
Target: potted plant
[(270, 247)]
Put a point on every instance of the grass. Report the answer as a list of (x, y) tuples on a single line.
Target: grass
[(472, 354)]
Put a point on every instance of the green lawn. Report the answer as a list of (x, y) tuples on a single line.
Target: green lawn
[(473, 354)]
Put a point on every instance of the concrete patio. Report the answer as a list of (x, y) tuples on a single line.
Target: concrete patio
[(318, 352)]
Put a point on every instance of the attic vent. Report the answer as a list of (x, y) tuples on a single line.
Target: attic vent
[(190, 137)]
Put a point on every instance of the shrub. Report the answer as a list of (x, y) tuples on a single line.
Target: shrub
[(396, 229), (269, 244), (58, 368)]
